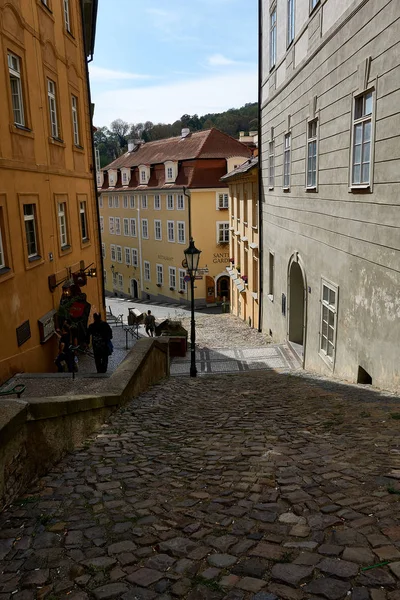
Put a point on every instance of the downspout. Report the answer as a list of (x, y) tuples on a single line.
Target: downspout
[(87, 61), (139, 230), (260, 187), (189, 197)]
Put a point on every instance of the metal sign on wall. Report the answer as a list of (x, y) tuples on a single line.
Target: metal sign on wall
[(23, 333), (46, 326)]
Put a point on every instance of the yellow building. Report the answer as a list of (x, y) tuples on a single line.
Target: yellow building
[(144, 207), (48, 219), (244, 241)]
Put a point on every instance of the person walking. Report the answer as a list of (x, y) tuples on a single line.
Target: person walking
[(65, 361), (149, 324), (101, 334)]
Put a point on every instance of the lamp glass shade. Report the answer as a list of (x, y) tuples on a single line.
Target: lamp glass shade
[(192, 255)]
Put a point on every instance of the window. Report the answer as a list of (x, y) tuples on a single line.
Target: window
[(272, 39), (132, 201), (133, 227), (116, 201), (312, 154), (223, 201), (146, 270), (328, 320), (172, 277), (145, 229), (171, 231), (157, 230), (105, 276), (14, 69), (120, 281), (100, 201), (182, 282), (180, 202), (144, 201), (119, 254), (362, 130), (157, 202), (30, 230), (271, 275), (110, 201), (170, 173), (112, 179), (51, 94), (83, 221), (75, 123), (313, 4), (103, 250), (222, 232), (271, 164), (160, 274), (127, 256), (125, 200), (117, 226), (143, 176), (126, 226), (62, 222), (67, 18), (290, 22), (181, 232), (170, 202), (111, 225), (114, 278), (101, 224), (134, 257), (125, 181), (113, 254), (286, 162)]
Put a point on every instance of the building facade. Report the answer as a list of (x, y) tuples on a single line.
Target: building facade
[(144, 199), (330, 182), (244, 270), (48, 210)]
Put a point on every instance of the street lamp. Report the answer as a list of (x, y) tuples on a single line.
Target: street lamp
[(192, 256)]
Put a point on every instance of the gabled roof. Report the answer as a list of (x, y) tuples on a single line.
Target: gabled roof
[(247, 166), (211, 143)]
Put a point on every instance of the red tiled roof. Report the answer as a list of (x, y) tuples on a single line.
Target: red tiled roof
[(211, 143)]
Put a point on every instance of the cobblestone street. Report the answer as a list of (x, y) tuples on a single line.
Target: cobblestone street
[(253, 486)]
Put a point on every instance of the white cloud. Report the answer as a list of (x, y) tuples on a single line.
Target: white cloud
[(105, 75), (167, 103), (219, 60)]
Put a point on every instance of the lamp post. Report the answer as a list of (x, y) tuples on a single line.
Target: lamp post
[(192, 256)]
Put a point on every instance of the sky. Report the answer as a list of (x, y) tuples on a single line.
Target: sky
[(156, 60)]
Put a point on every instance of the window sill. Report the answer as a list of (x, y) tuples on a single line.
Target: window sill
[(270, 297), (47, 10), (270, 189), (70, 35), (179, 242), (57, 141), (6, 273), (77, 148), (36, 257), (21, 130), (360, 188), (286, 189), (328, 361), (311, 188), (85, 240), (223, 207), (66, 248)]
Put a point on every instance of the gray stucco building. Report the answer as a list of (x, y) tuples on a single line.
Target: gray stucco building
[(330, 165)]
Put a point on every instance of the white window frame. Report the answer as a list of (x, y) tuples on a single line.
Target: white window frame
[(147, 271), (124, 178), (170, 202), (271, 164), (159, 274), (111, 225), (222, 200), (272, 38), (287, 146), (329, 309), (223, 228), (119, 254), (125, 199), (143, 176), (83, 221), (144, 201), (101, 224), (145, 229), (67, 16), (103, 249), (135, 260), (113, 253), (126, 226), (30, 222), (313, 4), (75, 119), (127, 256), (100, 201), (363, 121), (290, 21), (117, 226), (114, 278), (105, 275), (157, 202), (120, 281), (172, 277), (312, 155), (180, 202), (181, 226), (17, 96), (157, 229), (116, 201), (52, 99), (132, 201), (132, 227), (63, 223), (182, 282), (110, 201), (171, 231)]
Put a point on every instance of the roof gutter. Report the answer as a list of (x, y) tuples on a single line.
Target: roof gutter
[(260, 187)]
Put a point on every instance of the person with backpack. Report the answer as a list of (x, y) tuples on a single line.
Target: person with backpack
[(101, 334)]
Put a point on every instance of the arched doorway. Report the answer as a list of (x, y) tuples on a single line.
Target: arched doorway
[(134, 288), (223, 287), (297, 306)]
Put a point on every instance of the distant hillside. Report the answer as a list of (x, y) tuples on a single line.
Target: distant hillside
[(113, 142)]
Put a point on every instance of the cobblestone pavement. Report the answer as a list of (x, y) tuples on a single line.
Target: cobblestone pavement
[(225, 331), (243, 487)]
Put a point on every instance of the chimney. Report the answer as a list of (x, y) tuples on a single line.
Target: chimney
[(185, 132), (131, 145)]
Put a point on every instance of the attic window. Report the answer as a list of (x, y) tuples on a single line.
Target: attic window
[(169, 173), (124, 178), (142, 176), (111, 179)]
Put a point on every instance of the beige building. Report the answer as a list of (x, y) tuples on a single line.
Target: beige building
[(330, 180), (244, 241), (144, 199), (48, 211)]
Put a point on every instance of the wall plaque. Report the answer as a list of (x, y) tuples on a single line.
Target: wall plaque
[(46, 326), (23, 333)]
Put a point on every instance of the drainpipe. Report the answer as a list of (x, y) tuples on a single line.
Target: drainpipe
[(189, 197), (260, 212), (139, 230)]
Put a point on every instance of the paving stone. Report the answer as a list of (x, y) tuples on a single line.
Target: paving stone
[(229, 580), (264, 596), (144, 577), (100, 562), (36, 579), (330, 549), (285, 592), (307, 558), (138, 593), (221, 561), (340, 568), (300, 531), (327, 587), (395, 568), (362, 556), (178, 546), (387, 553), (250, 584), (270, 551), (360, 594), (120, 547), (160, 562), (110, 591), (291, 573), (376, 578), (181, 588)]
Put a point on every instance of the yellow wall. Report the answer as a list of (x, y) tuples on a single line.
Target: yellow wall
[(36, 169)]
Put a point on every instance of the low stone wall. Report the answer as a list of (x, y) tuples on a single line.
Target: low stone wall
[(35, 434)]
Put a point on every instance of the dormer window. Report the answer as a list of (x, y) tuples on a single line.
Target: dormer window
[(112, 178), (144, 174), (170, 171), (125, 176), (100, 178)]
